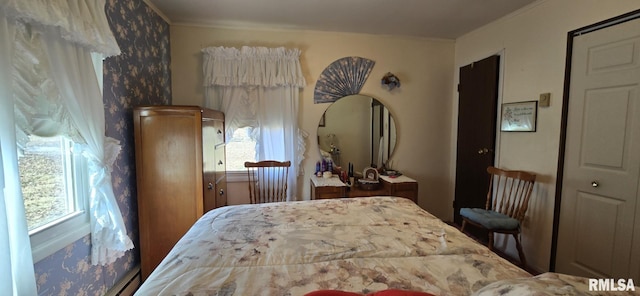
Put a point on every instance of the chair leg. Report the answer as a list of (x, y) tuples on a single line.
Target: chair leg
[(490, 243), (523, 261), (464, 223)]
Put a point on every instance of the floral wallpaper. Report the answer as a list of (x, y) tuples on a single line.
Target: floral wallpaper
[(140, 75)]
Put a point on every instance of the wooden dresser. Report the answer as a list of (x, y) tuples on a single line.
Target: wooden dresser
[(180, 171), (323, 188)]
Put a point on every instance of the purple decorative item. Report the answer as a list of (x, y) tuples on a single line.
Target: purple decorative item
[(390, 81)]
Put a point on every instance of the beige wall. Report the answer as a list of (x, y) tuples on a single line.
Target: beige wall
[(533, 44), (422, 106)]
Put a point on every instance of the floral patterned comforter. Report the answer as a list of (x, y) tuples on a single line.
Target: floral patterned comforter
[(358, 244), (551, 283)]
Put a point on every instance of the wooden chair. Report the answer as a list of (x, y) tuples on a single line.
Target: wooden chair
[(267, 180), (507, 202)]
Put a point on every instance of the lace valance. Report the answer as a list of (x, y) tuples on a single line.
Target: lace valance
[(252, 66), (79, 21)]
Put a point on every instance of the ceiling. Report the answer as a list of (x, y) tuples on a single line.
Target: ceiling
[(447, 19)]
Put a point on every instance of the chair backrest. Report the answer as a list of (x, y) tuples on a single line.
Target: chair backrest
[(509, 192), (267, 180)]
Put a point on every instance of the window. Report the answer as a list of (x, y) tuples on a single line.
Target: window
[(54, 181), (51, 92), (240, 148), (55, 190)]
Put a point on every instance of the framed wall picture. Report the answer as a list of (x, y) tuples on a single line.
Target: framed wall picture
[(519, 117)]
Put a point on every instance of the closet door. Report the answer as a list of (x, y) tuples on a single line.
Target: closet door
[(477, 113), (599, 209)]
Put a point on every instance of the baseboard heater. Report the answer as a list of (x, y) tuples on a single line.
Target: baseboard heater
[(127, 285)]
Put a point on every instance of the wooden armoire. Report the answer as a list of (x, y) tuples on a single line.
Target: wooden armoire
[(180, 172)]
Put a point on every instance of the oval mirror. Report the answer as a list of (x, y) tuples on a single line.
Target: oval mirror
[(357, 129)]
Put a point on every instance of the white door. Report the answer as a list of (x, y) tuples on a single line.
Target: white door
[(600, 209)]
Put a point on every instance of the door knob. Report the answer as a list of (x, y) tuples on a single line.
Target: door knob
[(210, 186), (595, 184), (483, 151)]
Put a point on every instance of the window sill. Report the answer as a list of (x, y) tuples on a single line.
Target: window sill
[(47, 242), (237, 176)]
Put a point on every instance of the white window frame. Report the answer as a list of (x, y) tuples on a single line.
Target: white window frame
[(236, 175), (54, 236)]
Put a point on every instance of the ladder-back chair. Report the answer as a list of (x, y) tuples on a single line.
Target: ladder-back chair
[(267, 180), (507, 202)]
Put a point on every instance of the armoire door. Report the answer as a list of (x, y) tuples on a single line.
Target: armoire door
[(168, 145), (477, 113), (599, 210)]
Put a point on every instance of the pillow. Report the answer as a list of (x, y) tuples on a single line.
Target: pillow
[(332, 293), (399, 293), (391, 292)]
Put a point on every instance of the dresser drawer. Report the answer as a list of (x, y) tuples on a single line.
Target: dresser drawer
[(329, 192), (408, 190)]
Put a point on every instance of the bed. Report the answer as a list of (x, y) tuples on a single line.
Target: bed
[(360, 245)]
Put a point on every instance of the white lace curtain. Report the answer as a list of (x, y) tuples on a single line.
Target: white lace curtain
[(259, 87), (48, 87)]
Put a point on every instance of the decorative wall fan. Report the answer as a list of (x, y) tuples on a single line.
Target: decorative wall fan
[(341, 78)]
